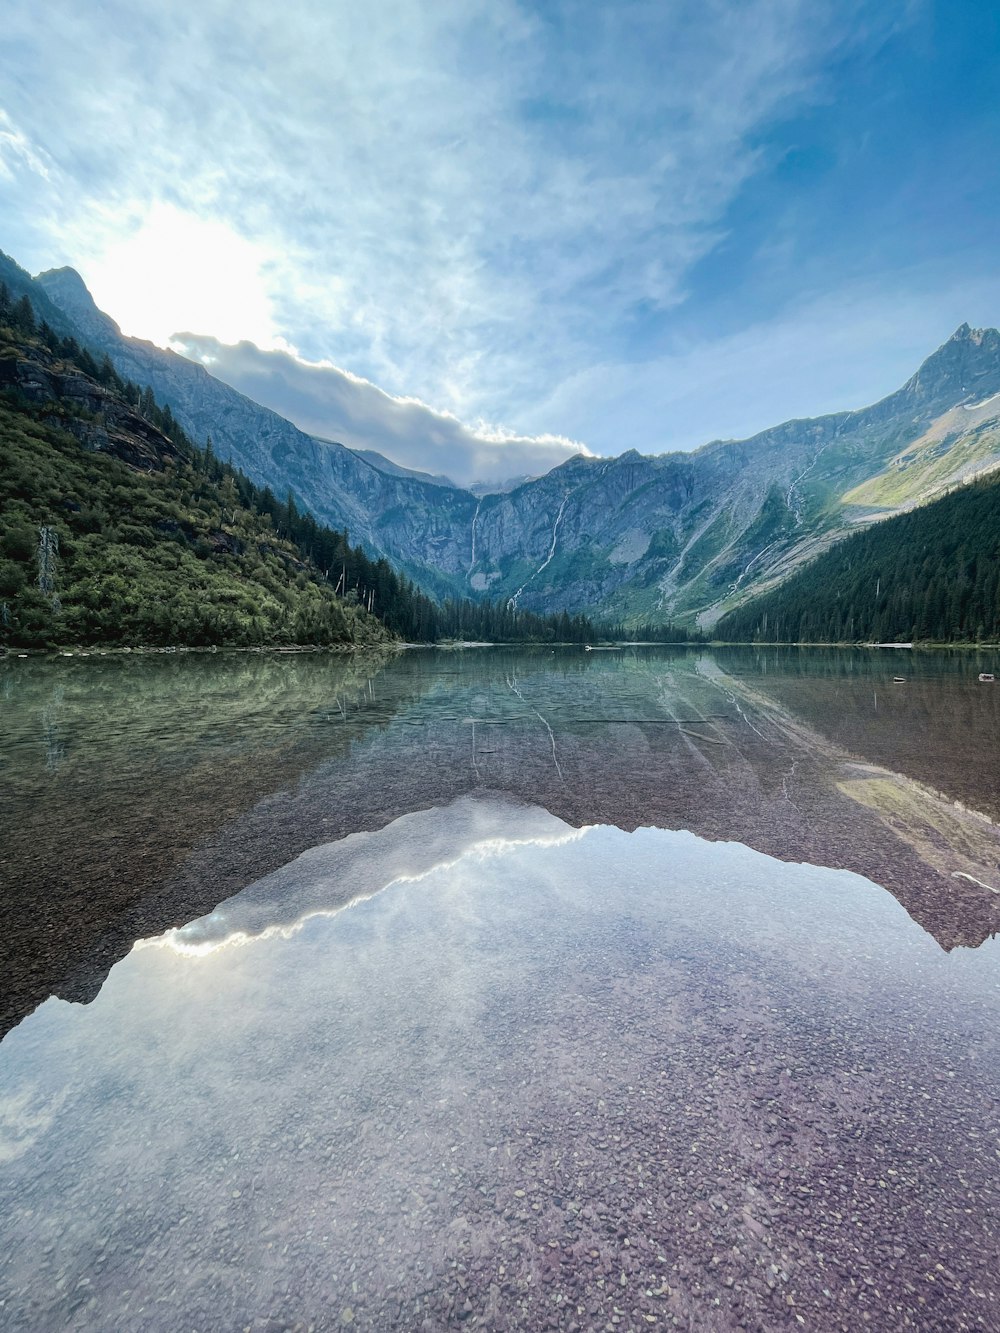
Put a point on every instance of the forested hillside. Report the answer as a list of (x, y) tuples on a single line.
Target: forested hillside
[(117, 529), (932, 574), (632, 538)]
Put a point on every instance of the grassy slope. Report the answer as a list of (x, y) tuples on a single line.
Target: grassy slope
[(930, 574), (927, 467)]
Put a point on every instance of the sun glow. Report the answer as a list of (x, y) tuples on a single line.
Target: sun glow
[(180, 273)]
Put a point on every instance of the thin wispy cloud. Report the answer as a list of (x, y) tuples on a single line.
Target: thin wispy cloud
[(17, 152), (834, 352)]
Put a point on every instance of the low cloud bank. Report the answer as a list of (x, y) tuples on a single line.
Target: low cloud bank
[(324, 400)]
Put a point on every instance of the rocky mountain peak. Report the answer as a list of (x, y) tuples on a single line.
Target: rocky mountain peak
[(966, 333), (960, 368), (634, 537), (69, 291)]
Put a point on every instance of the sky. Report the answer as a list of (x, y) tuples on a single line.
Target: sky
[(481, 235)]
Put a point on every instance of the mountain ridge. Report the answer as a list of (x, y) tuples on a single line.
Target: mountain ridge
[(674, 535), (932, 574), (116, 529)]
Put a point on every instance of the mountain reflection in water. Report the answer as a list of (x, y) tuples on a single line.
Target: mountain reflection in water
[(414, 1044), (140, 792), (482, 1068)]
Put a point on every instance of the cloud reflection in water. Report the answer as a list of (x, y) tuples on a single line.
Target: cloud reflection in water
[(517, 1026)]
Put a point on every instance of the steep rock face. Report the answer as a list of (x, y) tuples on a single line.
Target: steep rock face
[(420, 524), (67, 290), (965, 364), (255, 438), (98, 419), (686, 535), (20, 283), (383, 464)]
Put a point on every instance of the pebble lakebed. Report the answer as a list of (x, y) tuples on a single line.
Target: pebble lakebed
[(487, 1104)]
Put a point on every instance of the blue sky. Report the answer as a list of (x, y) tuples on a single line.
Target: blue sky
[(623, 226)]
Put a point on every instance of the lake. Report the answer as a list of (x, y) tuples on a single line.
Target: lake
[(501, 988)]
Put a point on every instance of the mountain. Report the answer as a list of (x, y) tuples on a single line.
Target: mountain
[(933, 573), (481, 488), (386, 465), (19, 284), (115, 530), (633, 538), (697, 532), (392, 513)]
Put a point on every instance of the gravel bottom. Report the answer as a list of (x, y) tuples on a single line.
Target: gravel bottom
[(532, 1089)]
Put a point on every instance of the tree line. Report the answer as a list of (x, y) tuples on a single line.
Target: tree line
[(932, 574), (94, 502)]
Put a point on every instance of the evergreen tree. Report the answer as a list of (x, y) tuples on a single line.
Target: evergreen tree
[(931, 574), (22, 316)]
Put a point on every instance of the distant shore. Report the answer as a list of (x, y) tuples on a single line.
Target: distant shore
[(341, 649)]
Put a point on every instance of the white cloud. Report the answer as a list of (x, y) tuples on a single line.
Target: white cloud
[(334, 404), (471, 203), (463, 201)]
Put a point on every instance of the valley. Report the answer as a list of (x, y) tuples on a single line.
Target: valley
[(634, 538)]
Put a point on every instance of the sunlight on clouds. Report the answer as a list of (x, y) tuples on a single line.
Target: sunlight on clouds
[(465, 201), (335, 404), (337, 877), (478, 204), (179, 272)]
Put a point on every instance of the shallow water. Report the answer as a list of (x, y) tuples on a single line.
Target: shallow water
[(480, 1066)]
